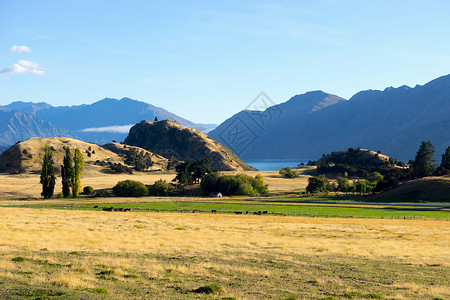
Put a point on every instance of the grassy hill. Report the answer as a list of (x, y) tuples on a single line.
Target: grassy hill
[(27, 156), (429, 189)]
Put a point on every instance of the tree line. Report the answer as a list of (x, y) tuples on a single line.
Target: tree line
[(71, 172)]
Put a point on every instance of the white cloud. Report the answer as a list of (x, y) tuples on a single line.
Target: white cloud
[(20, 49), (29, 64), (113, 129), (24, 67)]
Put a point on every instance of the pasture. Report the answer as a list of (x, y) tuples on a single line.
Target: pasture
[(73, 254)]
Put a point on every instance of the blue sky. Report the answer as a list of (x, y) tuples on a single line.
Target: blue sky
[(207, 60)]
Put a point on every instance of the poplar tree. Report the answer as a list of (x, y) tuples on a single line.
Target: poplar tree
[(48, 178), (67, 173), (423, 164), (78, 168)]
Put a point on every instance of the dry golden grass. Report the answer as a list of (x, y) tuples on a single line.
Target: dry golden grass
[(250, 257), (419, 242)]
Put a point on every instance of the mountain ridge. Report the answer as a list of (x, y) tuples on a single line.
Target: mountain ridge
[(394, 120)]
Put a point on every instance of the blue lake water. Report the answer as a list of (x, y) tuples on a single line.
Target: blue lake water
[(271, 164)]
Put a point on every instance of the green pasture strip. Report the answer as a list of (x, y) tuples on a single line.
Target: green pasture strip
[(339, 211)]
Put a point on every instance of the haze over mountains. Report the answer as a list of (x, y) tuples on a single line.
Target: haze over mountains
[(394, 121)]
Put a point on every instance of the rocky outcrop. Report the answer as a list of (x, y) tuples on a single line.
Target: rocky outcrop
[(168, 138)]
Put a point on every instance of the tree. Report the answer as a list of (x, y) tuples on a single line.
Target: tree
[(288, 173), (156, 119), (361, 186), (189, 173), (444, 168), (240, 184), (78, 167), (200, 168), (130, 188), (423, 164), (48, 178), (317, 185), (67, 173), (184, 173), (343, 185), (160, 188), (374, 177)]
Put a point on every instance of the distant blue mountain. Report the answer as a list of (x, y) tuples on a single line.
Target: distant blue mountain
[(28, 107), (394, 121), (19, 126), (103, 121)]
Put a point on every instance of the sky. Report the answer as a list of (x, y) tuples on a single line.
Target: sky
[(207, 60)]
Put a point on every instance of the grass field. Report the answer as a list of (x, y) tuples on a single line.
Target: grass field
[(51, 254), (67, 249), (251, 206)]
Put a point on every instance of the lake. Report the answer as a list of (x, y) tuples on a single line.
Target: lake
[(272, 164)]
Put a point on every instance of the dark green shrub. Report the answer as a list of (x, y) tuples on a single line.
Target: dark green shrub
[(317, 185), (18, 259), (88, 190), (288, 173), (160, 188), (239, 184), (374, 296), (208, 289), (130, 188), (100, 291), (106, 272)]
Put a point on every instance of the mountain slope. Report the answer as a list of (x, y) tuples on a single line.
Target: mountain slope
[(168, 138), (253, 134), (18, 126), (395, 121)]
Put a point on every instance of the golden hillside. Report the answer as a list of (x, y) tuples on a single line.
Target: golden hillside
[(27, 156)]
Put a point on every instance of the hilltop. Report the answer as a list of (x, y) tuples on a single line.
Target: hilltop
[(168, 138), (26, 157), (357, 163), (355, 157)]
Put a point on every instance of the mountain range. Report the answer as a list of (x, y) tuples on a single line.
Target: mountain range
[(394, 121), (101, 122)]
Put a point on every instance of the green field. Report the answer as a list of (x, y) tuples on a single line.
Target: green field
[(272, 207)]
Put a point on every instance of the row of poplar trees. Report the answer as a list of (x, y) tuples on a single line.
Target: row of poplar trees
[(71, 171)]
